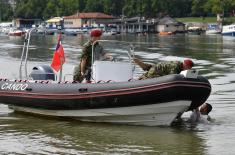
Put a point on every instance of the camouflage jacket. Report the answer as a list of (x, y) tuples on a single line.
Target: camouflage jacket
[(87, 54), (162, 68)]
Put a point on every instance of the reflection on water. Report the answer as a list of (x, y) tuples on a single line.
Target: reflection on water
[(32, 135), (214, 56)]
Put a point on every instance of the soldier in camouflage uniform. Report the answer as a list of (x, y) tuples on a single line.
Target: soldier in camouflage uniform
[(83, 70), (163, 68)]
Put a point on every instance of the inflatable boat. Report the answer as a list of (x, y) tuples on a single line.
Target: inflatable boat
[(114, 98)]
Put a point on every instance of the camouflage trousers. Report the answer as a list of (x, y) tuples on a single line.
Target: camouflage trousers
[(77, 76)]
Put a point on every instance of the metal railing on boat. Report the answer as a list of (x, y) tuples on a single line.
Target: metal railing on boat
[(23, 72), (24, 55)]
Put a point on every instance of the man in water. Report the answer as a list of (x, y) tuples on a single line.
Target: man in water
[(201, 114), (83, 70), (163, 68)]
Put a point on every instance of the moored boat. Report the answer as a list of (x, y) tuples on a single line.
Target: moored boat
[(195, 30), (228, 30), (213, 29), (163, 33), (16, 32)]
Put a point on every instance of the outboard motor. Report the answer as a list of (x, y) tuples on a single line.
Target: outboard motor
[(42, 72)]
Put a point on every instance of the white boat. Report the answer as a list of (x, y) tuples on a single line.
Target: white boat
[(195, 30), (75, 31), (229, 30), (5, 28), (213, 29), (109, 33)]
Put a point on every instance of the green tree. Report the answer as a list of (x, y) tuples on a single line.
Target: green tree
[(148, 8), (179, 8), (94, 6), (220, 7), (68, 7), (30, 8), (129, 8), (143, 8), (51, 10), (198, 7), (214, 6), (6, 11), (155, 8), (113, 7), (82, 5)]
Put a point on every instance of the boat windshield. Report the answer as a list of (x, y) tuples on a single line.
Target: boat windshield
[(112, 50), (112, 61)]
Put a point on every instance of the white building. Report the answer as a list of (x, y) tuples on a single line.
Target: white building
[(87, 19)]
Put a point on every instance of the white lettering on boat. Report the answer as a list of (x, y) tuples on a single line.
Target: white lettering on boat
[(14, 86)]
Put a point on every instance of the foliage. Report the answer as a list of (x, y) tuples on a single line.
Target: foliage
[(45, 9), (5, 12), (227, 20)]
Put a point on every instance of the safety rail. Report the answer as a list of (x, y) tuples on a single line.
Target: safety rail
[(24, 55)]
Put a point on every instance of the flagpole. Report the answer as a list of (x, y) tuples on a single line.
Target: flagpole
[(61, 65), (61, 68)]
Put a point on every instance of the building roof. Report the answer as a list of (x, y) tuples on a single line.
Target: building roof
[(168, 21), (89, 15)]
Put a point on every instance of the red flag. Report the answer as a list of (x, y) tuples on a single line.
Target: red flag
[(58, 58)]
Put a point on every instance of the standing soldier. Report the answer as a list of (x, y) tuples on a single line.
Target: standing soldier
[(83, 70), (163, 68)]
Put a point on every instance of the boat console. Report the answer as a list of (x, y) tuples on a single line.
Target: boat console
[(111, 70), (116, 70)]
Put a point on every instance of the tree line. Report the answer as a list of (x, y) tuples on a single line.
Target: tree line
[(45, 9)]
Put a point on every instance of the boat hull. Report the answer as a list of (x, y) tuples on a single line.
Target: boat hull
[(148, 115), (213, 32), (16, 33), (228, 30), (229, 34), (71, 96)]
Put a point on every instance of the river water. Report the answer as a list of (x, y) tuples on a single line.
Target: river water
[(214, 57)]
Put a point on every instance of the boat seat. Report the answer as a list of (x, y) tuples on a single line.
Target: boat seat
[(112, 71)]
